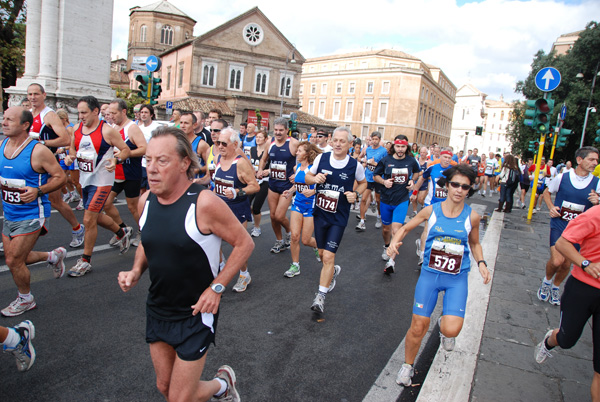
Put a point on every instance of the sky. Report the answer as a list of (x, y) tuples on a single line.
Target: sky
[(488, 43)]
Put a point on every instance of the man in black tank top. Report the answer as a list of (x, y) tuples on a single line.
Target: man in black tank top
[(180, 247)]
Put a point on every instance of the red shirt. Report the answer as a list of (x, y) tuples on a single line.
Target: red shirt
[(585, 231)]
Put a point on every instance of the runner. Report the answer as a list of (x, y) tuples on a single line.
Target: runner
[(72, 189), (576, 191), (301, 218), (525, 182), (334, 173), (147, 124), (452, 235), (258, 199), (396, 174), (473, 159), (374, 153), (421, 191)]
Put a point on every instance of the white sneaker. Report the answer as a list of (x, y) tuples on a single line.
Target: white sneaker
[(125, 241), (384, 255), (19, 306), (255, 232), (59, 266), (378, 223), (336, 271), (541, 353), (418, 244), (405, 375), (81, 268), (75, 197), (242, 283), (137, 239), (24, 352), (78, 237), (79, 206), (389, 267), (67, 197)]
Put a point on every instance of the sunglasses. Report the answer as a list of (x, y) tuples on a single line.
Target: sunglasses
[(465, 187), (320, 135), (215, 130), (219, 143)]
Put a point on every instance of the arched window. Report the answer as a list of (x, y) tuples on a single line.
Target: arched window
[(286, 86), (143, 29), (166, 35), (262, 78)]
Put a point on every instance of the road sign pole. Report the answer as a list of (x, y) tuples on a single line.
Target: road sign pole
[(150, 76), (535, 178)]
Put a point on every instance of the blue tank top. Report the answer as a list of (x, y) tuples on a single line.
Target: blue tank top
[(195, 144), (15, 174), (571, 201), (377, 155), (132, 166), (248, 144), (282, 162), (300, 184), (447, 244), (225, 179), (436, 193), (331, 204)]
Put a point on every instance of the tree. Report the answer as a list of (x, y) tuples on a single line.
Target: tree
[(12, 43), (575, 93), (130, 97)]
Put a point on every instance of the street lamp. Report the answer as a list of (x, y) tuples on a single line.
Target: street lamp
[(283, 81), (589, 106)]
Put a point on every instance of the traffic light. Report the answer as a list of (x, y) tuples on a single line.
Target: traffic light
[(542, 115), (561, 141), (479, 130), (529, 112), (293, 125), (156, 90), (143, 87), (532, 147), (597, 139)]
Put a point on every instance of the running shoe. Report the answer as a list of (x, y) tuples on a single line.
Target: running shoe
[(78, 237), (59, 266), (75, 197), (420, 260), (336, 271), (361, 227), (544, 291), (378, 223), (418, 244), (242, 283), (67, 197), (255, 232), (414, 213), (1, 247), (541, 352), (227, 374), (81, 268), (405, 375), (384, 255), (137, 239), (287, 239), (538, 209), (24, 352), (292, 271), (447, 342), (278, 247), (389, 267), (318, 305), (373, 207), (79, 206), (114, 241), (555, 296), (316, 250), (125, 241), (19, 306), (483, 194), (523, 206)]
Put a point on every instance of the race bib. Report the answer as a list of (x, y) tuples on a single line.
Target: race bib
[(489, 169), (221, 185), (85, 162), (211, 170), (440, 192), (446, 257), (278, 171), (12, 190), (328, 200), (570, 210), (247, 151), (400, 175), (474, 164), (300, 187), (481, 169), (371, 167)]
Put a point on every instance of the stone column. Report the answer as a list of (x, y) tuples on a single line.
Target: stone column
[(49, 42), (32, 48)]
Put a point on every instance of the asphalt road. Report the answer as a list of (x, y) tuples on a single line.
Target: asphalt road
[(90, 336)]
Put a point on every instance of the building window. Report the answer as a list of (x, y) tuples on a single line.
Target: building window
[(166, 35), (253, 34), (367, 111), (301, 89), (168, 78), (382, 131), (336, 67), (180, 79), (261, 85), (323, 89), (209, 74), (350, 65), (351, 87), (499, 128), (236, 77), (364, 132), (336, 110), (324, 67), (364, 64), (143, 30), (312, 69), (311, 107), (382, 112), (313, 89), (322, 109), (349, 110), (338, 88), (385, 87), (286, 86), (502, 115), (370, 86)]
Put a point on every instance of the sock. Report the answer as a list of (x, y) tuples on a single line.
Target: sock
[(547, 281), (122, 225), (362, 221), (52, 258), (245, 274), (554, 286), (120, 233), (12, 339), (86, 258), (296, 264), (323, 290), (386, 245), (546, 343), (223, 387), (77, 228), (25, 296), (378, 216)]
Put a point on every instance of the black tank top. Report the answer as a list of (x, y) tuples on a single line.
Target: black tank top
[(182, 261)]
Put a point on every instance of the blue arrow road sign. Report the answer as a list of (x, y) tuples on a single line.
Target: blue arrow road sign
[(547, 79), (563, 112), (153, 63)]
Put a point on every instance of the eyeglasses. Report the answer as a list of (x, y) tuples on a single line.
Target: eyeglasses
[(215, 130), (320, 135), (219, 143), (465, 187)]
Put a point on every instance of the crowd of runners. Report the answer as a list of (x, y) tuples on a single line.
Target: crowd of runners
[(199, 163)]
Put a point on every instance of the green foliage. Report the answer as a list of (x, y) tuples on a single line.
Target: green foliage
[(131, 98), (584, 57), (12, 42)]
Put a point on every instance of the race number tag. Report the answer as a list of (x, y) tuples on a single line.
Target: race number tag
[(400, 175), (221, 185), (300, 187), (481, 170), (440, 192), (85, 162), (12, 190), (247, 151), (328, 200), (570, 210), (211, 170), (446, 257), (371, 167), (278, 171), (474, 164)]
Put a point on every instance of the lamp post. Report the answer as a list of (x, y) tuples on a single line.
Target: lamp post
[(283, 81), (589, 106)]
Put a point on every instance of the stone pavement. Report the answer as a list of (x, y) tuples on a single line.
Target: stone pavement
[(505, 369)]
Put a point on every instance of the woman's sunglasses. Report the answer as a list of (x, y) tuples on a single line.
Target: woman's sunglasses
[(465, 187)]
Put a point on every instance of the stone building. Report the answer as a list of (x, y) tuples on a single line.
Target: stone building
[(565, 42), (385, 90)]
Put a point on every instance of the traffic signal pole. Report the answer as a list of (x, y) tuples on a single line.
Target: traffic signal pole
[(150, 79), (538, 163), (559, 124)]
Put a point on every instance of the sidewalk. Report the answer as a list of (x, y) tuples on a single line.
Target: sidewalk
[(505, 369)]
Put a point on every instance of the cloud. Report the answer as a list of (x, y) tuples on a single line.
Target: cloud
[(490, 42)]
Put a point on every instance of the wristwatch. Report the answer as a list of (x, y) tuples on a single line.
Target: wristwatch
[(217, 288), (40, 192), (585, 264)]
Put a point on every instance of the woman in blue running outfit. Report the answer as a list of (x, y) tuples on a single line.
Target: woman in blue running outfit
[(452, 233), (301, 218)]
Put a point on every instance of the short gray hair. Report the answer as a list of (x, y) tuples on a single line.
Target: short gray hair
[(234, 136), (347, 130), (183, 147), (280, 121)]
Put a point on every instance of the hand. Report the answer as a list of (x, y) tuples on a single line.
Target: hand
[(69, 160), (413, 198), (30, 195), (388, 183), (410, 185), (593, 270), (207, 303), (308, 192), (112, 165), (485, 274), (392, 250), (230, 193), (287, 194), (554, 212), (128, 279), (351, 196), (593, 197), (320, 178), (292, 178), (371, 161)]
